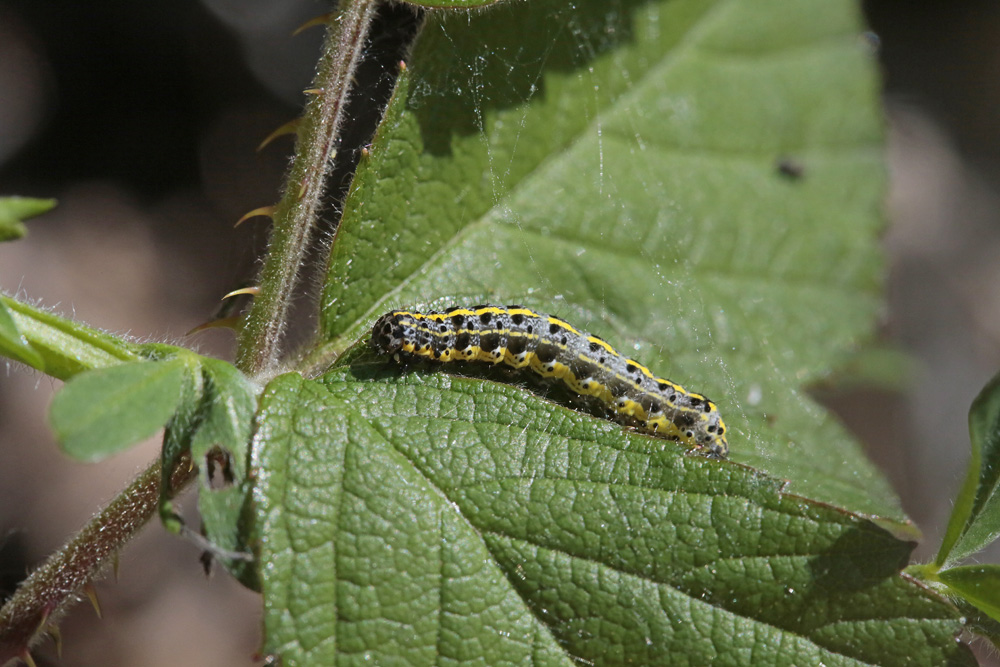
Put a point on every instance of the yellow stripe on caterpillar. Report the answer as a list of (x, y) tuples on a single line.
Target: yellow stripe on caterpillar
[(553, 348)]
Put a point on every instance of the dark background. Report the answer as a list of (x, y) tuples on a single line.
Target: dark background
[(143, 120)]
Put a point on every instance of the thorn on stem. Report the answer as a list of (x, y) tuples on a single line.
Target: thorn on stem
[(291, 127), (322, 19), (265, 211), (232, 322), (91, 594), (252, 291)]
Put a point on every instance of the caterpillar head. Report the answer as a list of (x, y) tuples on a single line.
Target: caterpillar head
[(389, 333)]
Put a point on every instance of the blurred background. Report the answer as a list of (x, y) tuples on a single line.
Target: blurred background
[(144, 120)]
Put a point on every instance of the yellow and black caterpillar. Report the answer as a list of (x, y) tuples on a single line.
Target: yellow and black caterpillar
[(551, 347)]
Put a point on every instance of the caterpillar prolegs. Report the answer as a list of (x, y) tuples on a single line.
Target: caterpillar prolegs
[(553, 348)]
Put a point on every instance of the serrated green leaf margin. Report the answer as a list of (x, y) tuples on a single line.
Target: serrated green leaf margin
[(15, 209), (428, 519), (975, 518), (101, 412), (977, 584), (625, 166)]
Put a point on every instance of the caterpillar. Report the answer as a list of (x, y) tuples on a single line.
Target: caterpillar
[(553, 348)]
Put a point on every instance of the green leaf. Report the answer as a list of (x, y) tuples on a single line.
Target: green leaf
[(13, 344), (623, 167), (468, 525), (975, 518), (63, 347), (228, 419), (977, 584), (103, 411), (183, 423), (220, 445), (15, 209)]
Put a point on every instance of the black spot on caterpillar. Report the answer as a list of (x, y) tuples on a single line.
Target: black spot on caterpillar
[(553, 348)]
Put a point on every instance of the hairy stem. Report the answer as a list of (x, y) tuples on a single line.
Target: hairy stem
[(62, 579), (296, 214)]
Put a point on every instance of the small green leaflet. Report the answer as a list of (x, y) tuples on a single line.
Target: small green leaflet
[(215, 428), (104, 411), (15, 209), (975, 519), (207, 407), (978, 584)]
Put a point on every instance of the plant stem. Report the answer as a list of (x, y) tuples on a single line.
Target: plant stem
[(296, 214), (62, 579)]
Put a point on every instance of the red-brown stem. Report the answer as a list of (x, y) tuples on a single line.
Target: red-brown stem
[(60, 581)]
